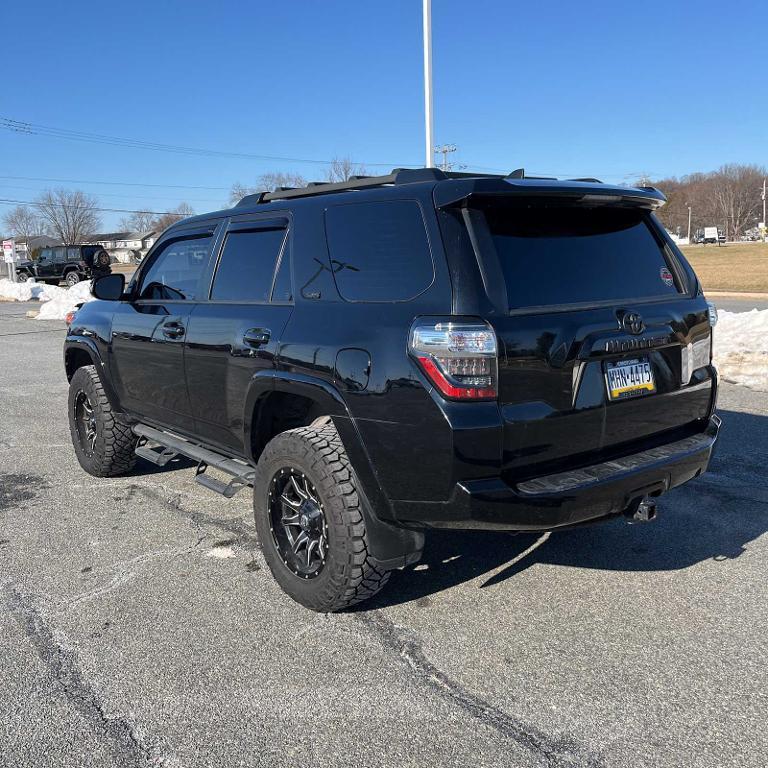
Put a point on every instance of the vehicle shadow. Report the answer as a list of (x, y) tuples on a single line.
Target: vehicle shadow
[(711, 518)]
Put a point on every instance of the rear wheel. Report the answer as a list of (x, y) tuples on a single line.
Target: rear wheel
[(72, 278), (103, 441), (310, 523)]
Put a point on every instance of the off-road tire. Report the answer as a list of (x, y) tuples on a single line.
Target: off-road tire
[(349, 575), (72, 278), (22, 277), (113, 450)]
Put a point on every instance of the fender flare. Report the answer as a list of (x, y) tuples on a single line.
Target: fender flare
[(76, 345), (391, 545)]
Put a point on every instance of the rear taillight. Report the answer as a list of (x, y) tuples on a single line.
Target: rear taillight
[(70, 316), (459, 358)]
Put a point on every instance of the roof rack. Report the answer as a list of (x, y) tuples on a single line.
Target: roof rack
[(398, 176)]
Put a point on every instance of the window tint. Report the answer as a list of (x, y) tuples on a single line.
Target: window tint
[(379, 251), (175, 272), (59, 255), (73, 254), (564, 255), (247, 265)]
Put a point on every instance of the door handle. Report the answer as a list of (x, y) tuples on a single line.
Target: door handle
[(256, 337), (173, 330)]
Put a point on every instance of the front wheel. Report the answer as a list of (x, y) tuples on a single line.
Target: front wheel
[(103, 441), (310, 522), (72, 278), (22, 277)]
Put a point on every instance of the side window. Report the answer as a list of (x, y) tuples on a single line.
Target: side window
[(59, 255), (46, 254), (175, 272), (379, 251), (247, 265), (73, 254), (283, 290)]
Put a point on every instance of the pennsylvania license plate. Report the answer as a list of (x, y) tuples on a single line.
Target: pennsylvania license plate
[(629, 378)]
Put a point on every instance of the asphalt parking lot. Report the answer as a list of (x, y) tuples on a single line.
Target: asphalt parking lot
[(140, 626)]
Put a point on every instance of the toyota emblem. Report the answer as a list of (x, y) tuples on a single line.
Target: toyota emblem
[(632, 322)]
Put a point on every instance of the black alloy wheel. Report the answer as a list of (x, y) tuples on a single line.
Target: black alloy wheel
[(85, 421), (297, 523)]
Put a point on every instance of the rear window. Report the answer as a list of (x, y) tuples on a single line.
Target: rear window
[(379, 251), (553, 255), (247, 265)]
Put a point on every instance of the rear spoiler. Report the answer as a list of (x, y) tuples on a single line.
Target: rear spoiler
[(456, 191)]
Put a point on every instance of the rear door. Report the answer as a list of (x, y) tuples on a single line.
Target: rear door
[(148, 333), (597, 332), (234, 334)]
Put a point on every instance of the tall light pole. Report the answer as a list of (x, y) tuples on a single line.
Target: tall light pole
[(430, 157), (765, 230), (689, 224)]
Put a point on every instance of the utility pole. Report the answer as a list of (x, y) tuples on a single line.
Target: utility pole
[(430, 158), (445, 150), (689, 224), (765, 230)]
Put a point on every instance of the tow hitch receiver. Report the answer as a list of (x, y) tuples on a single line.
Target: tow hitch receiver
[(643, 512)]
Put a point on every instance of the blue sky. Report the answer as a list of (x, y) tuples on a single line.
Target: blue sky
[(612, 89)]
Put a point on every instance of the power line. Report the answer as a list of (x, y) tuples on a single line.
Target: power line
[(123, 195), (8, 201), (37, 129), (113, 183), (18, 126)]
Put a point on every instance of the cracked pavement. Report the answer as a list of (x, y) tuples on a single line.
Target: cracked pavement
[(140, 626)]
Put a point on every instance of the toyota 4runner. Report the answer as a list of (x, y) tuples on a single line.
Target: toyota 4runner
[(387, 355)]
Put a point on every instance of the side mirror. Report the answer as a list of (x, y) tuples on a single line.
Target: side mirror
[(109, 287)]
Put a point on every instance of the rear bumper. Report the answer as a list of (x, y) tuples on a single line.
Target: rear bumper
[(566, 498)]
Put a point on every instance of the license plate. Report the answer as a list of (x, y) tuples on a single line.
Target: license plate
[(629, 378)]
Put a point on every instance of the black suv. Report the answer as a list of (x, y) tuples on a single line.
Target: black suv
[(70, 263), (413, 351)]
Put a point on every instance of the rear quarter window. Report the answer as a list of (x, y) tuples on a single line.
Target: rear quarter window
[(552, 255), (379, 251)]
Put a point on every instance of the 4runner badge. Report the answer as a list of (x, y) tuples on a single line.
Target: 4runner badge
[(667, 276)]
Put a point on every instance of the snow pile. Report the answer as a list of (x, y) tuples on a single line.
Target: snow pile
[(28, 290), (67, 299), (741, 347)]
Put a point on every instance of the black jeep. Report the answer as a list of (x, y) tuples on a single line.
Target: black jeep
[(68, 263), (413, 351)]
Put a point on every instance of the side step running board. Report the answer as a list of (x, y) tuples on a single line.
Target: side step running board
[(169, 446)]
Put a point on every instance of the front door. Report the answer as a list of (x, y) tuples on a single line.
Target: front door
[(234, 336), (148, 333), (46, 267)]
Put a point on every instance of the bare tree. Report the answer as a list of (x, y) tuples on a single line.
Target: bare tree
[(25, 222), (267, 182), (728, 198), (71, 215), (138, 221), (735, 192), (171, 217), (343, 168)]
